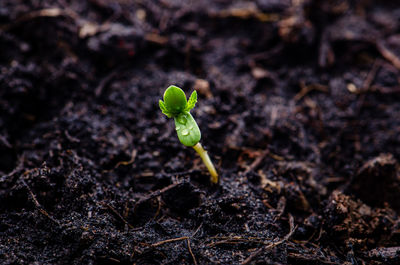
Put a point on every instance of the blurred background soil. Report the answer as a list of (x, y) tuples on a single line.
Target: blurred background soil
[(299, 107)]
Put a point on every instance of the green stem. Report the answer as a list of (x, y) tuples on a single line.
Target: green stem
[(207, 161)]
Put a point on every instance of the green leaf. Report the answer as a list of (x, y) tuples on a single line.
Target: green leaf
[(187, 129), (164, 109), (175, 100), (192, 101)]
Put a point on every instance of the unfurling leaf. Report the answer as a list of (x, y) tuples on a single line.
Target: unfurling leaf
[(164, 109), (192, 101)]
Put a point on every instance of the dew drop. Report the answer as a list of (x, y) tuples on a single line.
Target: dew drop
[(190, 127), (177, 128), (185, 132), (182, 120)]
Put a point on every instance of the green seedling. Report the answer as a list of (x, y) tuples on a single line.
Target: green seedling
[(176, 106)]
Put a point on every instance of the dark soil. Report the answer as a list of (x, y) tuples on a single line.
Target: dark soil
[(299, 107)]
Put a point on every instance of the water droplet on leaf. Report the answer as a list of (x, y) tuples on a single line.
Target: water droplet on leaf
[(185, 132), (178, 128), (182, 120)]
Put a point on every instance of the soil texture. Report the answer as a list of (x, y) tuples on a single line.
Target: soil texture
[(299, 107)]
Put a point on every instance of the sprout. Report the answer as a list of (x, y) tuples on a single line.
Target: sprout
[(176, 106)]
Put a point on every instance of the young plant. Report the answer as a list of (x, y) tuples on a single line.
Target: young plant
[(176, 106)]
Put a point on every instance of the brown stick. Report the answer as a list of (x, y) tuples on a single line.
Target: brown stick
[(125, 163), (371, 75), (169, 241), (118, 215), (272, 244), (37, 204), (48, 12), (256, 162), (105, 81), (156, 194), (305, 89), (191, 252), (388, 54)]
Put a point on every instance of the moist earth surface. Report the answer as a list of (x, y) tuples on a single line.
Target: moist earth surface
[(298, 108)]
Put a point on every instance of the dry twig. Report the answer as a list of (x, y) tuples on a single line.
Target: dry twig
[(115, 212), (388, 54), (191, 252), (169, 241), (125, 163), (156, 194), (272, 244), (37, 204), (256, 162), (47, 12), (105, 81), (305, 89)]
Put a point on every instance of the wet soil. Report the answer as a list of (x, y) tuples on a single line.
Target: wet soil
[(298, 107)]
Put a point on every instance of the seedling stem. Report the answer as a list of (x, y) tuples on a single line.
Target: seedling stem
[(207, 161)]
